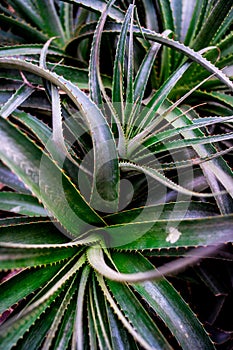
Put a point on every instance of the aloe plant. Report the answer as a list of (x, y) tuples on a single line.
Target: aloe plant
[(106, 167)]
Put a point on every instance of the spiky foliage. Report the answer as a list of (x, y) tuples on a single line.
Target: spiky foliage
[(111, 158)]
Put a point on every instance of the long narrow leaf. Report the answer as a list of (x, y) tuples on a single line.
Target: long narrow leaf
[(143, 330), (106, 172), (169, 233), (8, 334), (27, 281), (114, 13), (167, 304), (21, 203), (77, 339), (156, 175), (41, 174), (60, 313), (94, 74), (118, 74), (187, 51), (9, 179), (213, 22), (16, 100), (51, 24), (217, 167)]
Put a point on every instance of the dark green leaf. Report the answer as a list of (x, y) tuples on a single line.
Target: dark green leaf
[(170, 233), (138, 316), (26, 160), (27, 281), (24, 29), (212, 24), (21, 203), (167, 303)]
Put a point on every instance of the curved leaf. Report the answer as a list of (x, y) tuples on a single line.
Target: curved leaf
[(106, 171), (162, 179), (167, 303), (26, 50), (24, 158), (143, 329), (99, 5), (24, 28), (150, 35)]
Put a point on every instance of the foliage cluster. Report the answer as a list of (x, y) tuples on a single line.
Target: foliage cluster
[(116, 173)]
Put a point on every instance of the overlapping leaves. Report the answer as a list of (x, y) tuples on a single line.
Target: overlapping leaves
[(70, 286)]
